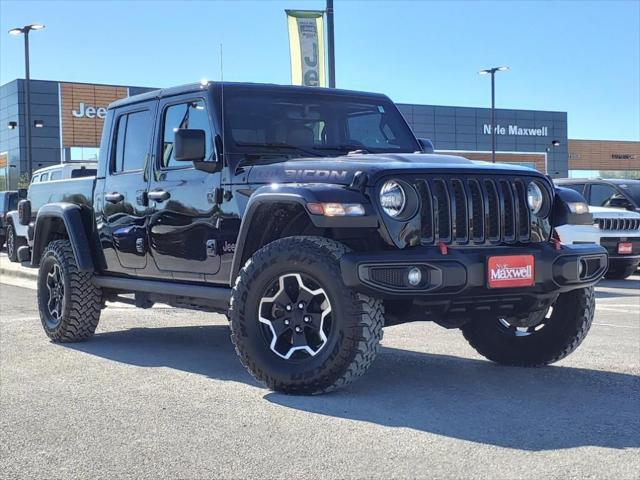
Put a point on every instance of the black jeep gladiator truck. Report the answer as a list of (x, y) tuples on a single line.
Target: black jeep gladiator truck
[(312, 218)]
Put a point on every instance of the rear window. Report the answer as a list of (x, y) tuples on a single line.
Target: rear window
[(83, 172), (133, 136)]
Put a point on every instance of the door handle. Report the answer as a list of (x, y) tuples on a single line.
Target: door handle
[(114, 197), (158, 195)]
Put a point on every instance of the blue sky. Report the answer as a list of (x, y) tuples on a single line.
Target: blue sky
[(576, 56)]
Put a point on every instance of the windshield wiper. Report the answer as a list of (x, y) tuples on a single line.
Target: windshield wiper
[(343, 148), (277, 146)]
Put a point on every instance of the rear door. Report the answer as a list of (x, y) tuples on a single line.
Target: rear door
[(183, 222), (124, 202)]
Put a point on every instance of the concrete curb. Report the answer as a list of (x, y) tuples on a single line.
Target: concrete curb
[(16, 270)]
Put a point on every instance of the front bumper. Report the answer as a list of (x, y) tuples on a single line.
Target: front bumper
[(611, 246), (462, 272)]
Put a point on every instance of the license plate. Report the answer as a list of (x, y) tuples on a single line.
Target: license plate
[(625, 248), (511, 271)]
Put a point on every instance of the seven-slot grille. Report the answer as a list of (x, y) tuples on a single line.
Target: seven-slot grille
[(473, 210), (619, 223)]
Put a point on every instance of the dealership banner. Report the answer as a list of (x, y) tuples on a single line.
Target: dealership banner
[(306, 45)]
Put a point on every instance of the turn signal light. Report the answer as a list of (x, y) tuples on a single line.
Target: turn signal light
[(336, 209)]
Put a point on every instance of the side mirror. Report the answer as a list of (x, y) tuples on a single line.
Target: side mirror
[(426, 145), (22, 193), (189, 145)]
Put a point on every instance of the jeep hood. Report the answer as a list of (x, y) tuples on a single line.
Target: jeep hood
[(341, 170)]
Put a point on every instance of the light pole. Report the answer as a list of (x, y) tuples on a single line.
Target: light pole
[(331, 45), (27, 94), (492, 72)]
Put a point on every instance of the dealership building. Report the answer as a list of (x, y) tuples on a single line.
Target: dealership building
[(67, 120)]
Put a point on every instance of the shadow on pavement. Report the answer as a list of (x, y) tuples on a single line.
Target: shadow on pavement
[(472, 400), (618, 288)]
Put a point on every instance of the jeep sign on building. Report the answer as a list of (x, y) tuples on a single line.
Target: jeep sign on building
[(70, 115)]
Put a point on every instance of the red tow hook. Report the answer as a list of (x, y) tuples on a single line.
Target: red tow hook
[(444, 250), (555, 240)]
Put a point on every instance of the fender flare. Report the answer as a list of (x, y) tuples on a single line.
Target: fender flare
[(302, 194), (71, 216), (21, 230), (562, 214)]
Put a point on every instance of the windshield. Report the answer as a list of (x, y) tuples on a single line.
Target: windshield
[(632, 190), (261, 125)]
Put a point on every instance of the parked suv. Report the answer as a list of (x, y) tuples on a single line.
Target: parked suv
[(617, 230), (44, 188), (8, 201), (602, 192), (312, 218)]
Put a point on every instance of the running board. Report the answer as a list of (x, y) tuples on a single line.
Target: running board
[(215, 296)]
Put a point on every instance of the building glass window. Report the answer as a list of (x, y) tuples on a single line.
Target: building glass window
[(83, 154)]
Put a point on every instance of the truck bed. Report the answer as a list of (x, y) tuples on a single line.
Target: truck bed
[(72, 190)]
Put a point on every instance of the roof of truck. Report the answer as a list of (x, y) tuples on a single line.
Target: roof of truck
[(196, 87)]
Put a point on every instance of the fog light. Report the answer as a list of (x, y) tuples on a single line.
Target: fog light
[(414, 277)]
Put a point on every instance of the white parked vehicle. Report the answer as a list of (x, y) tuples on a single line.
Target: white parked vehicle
[(38, 194), (617, 230)]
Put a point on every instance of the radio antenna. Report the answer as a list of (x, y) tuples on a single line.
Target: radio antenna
[(222, 101)]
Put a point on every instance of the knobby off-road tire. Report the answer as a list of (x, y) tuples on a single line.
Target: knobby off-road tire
[(620, 272), (560, 334), (355, 320), (14, 242), (68, 301)]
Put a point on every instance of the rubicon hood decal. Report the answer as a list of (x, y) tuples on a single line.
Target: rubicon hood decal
[(341, 170)]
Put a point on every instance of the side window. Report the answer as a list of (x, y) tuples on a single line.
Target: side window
[(35, 179), (578, 187), (601, 194), (83, 172), (191, 115), (56, 175), (133, 134), (44, 177), (369, 130)]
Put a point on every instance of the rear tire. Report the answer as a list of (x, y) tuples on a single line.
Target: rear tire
[(68, 301), (283, 347), (555, 337), (14, 242), (620, 272)]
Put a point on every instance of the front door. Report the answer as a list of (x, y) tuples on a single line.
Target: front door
[(183, 217), (123, 196)]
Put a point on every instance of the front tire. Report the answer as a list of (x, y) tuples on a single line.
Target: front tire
[(14, 242), (553, 338), (68, 301), (296, 327)]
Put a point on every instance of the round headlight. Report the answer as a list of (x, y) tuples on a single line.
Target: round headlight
[(535, 198), (392, 198)]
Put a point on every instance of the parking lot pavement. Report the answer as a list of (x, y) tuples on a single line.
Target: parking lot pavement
[(160, 393)]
